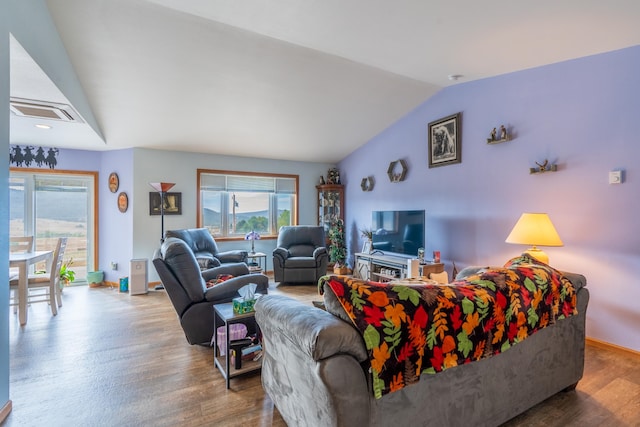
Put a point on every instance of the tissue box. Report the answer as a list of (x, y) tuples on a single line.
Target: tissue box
[(241, 305)]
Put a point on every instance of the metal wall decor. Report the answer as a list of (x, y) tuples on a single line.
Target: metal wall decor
[(544, 167), (367, 183), (27, 155), (497, 137), (394, 176)]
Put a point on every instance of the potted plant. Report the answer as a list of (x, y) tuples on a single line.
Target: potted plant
[(66, 274), (337, 246)]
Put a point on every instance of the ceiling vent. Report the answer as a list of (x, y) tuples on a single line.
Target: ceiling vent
[(44, 110)]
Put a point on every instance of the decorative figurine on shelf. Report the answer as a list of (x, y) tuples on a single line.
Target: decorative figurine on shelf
[(493, 135), (253, 236), (503, 132), (333, 176), (322, 180)]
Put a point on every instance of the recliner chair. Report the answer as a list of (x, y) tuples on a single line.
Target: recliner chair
[(300, 255), (185, 285), (205, 248)]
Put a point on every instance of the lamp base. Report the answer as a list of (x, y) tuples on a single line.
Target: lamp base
[(537, 254)]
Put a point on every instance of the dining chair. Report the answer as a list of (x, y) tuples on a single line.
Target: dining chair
[(21, 244), (48, 280)]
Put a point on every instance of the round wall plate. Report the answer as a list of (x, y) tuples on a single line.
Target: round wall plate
[(114, 182), (123, 202)]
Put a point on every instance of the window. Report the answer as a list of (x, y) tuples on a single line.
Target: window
[(231, 204), (48, 205)]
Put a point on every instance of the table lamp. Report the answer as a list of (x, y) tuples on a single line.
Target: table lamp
[(535, 229), (253, 236), (162, 188)]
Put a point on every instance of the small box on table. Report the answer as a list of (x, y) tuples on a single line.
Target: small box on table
[(242, 305)]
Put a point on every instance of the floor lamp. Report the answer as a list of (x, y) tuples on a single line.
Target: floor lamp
[(162, 188)]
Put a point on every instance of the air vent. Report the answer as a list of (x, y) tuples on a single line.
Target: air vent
[(44, 110)]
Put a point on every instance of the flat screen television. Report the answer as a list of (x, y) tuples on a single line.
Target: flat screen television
[(398, 232)]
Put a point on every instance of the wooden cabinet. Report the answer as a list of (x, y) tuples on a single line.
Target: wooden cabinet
[(330, 204)]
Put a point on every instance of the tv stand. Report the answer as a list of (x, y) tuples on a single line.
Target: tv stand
[(382, 268)]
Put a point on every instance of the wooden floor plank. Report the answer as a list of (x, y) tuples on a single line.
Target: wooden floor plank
[(111, 359)]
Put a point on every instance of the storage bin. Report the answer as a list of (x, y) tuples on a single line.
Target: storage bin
[(95, 278), (237, 331)]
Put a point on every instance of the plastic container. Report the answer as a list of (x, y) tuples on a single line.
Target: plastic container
[(237, 331)]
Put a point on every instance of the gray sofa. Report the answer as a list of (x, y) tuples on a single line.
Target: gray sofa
[(300, 255), (315, 369), (185, 285)]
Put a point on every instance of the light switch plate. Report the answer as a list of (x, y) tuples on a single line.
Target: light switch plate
[(615, 177)]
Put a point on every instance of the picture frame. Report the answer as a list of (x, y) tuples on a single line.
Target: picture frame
[(172, 203), (444, 141), (366, 247)]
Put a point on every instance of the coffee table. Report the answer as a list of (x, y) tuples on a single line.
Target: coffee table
[(225, 312)]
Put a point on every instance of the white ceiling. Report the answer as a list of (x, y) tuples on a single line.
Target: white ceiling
[(292, 79)]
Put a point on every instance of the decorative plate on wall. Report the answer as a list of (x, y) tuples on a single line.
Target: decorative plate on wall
[(114, 182), (123, 202)]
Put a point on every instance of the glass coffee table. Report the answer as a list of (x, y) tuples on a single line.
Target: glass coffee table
[(225, 363)]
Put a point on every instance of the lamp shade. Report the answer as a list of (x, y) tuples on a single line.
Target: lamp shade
[(534, 229), (162, 187)]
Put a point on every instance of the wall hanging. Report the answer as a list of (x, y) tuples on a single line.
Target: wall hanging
[(367, 183), (544, 167), (498, 136), (25, 156), (114, 182), (394, 174), (444, 141)]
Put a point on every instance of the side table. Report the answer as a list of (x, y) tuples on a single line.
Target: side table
[(257, 262), (228, 370)]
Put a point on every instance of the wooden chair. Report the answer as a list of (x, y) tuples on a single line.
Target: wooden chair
[(21, 244), (49, 281)]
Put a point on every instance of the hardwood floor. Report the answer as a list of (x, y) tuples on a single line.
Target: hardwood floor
[(110, 359)]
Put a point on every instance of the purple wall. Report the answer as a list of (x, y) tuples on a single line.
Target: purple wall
[(581, 114)]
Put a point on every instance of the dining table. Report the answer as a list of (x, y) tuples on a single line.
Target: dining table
[(22, 260)]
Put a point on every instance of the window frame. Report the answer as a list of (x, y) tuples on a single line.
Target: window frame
[(199, 213)]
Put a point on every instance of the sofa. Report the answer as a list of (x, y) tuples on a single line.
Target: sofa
[(300, 255), (205, 248), (318, 371), (187, 287)]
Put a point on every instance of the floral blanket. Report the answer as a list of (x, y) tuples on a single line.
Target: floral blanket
[(411, 330)]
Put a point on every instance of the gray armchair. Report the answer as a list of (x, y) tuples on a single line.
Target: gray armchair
[(205, 248), (185, 285), (300, 255)]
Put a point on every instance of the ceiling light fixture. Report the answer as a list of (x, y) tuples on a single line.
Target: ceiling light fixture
[(455, 77), (41, 126)]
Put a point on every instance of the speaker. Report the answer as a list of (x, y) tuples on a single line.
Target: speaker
[(138, 277)]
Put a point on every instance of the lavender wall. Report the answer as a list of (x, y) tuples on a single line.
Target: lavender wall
[(582, 115)]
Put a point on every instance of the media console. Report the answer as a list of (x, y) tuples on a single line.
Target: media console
[(382, 268)]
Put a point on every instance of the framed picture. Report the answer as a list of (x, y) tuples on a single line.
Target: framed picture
[(366, 247), (444, 141), (172, 203)]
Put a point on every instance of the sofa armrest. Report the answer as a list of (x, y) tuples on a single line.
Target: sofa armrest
[(281, 254), (235, 269), (232, 256), (311, 330), (227, 290), (319, 252)]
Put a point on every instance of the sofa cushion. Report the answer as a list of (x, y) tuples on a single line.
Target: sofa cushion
[(300, 262)]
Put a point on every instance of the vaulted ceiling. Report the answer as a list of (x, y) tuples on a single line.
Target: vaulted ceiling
[(289, 79)]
